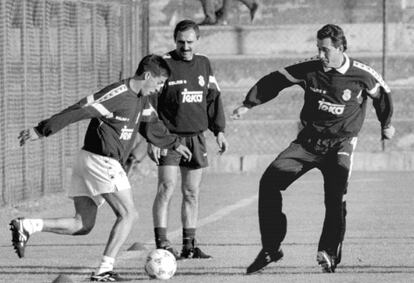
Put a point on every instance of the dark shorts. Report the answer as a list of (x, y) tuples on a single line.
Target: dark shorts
[(198, 147)]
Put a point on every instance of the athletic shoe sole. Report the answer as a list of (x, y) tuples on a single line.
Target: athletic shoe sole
[(325, 261), (257, 266), (19, 236)]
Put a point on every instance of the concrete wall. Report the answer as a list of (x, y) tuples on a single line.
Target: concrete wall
[(288, 39), (285, 12)]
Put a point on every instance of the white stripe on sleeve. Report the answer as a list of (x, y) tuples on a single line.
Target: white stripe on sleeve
[(374, 90), (102, 110), (212, 80), (89, 99)]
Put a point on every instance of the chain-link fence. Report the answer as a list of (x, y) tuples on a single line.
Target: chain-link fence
[(53, 53)]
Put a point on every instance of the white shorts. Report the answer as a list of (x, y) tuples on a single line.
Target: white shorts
[(94, 175)]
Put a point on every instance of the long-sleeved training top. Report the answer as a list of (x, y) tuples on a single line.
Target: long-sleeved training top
[(334, 99), (190, 102), (116, 114)]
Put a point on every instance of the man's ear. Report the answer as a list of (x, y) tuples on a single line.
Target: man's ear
[(147, 75)]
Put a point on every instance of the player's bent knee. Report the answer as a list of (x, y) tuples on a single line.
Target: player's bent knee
[(276, 178), (84, 229), (83, 226), (130, 215)]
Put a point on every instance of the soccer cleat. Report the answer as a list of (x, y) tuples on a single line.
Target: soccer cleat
[(19, 236), (194, 253), (167, 246), (326, 261), (108, 276), (263, 259), (175, 253)]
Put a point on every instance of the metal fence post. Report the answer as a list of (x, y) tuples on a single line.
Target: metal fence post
[(24, 51), (61, 86), (3, 109), (78, 46), (384, 50), (145, 26), (43, 57)]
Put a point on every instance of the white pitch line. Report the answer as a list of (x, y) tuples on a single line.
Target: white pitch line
[(221, 213)]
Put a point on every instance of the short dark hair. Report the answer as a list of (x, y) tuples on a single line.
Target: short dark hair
[(186, 25), (154, 64), (335, 33)]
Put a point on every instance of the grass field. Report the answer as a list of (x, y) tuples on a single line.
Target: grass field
[(378, 245)]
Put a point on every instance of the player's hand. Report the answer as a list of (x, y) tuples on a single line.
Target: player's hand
[(239, 112), (222, 143), (388, 132), (154, 152), (184, 151), (27, 135)]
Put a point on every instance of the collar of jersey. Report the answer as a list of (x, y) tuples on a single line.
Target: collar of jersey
[(341, 69)]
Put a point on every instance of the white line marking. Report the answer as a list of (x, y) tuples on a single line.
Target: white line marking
[(221, 213)]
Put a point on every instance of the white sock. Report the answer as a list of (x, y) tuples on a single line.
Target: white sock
[(33, 225), (107, 264)]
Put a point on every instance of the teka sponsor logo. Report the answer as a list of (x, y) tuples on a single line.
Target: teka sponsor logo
[(317, 90), (336, 109), (126, 134), (192, 96)]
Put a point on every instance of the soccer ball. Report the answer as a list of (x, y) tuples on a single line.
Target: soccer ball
[(160, 264)]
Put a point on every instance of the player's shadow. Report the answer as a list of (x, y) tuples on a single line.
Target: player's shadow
[(132, 275), (60, 245), (42, 269), (292, 270)]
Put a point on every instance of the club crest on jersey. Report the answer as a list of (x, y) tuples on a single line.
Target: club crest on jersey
[(126, 134), (201, 81), (336, 109), (346, 95), (192, 96)]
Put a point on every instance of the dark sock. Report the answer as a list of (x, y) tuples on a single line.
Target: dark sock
[(188, 237), (160, 236)]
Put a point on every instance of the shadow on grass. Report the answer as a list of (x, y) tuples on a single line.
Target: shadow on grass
[(212, 271), (61, 245), (39, 270)]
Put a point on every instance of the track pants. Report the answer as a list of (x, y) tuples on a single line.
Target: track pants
[(333, 157)]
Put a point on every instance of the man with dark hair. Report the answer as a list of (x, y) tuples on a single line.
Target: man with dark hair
[(189, 104), (117, 113), (336, 91)]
